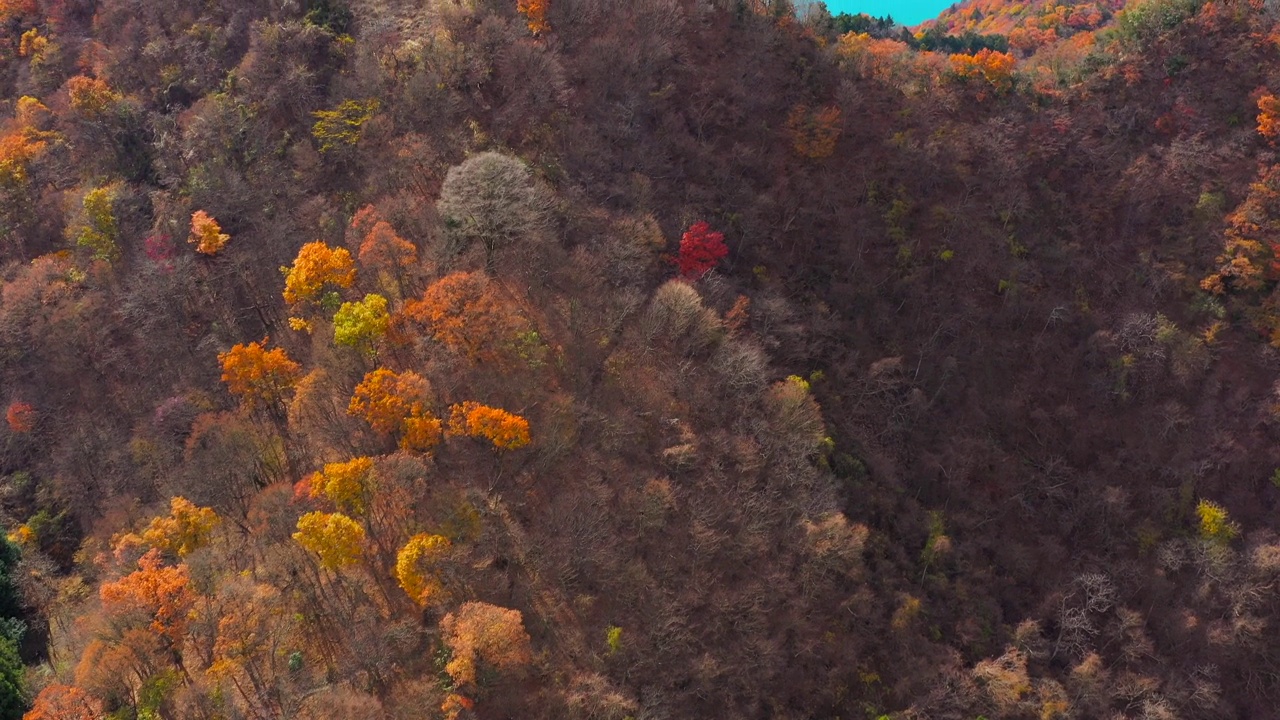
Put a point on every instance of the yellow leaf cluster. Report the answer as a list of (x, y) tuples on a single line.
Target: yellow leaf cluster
[(184, 530), (345, 484), (416, 568), (335, 538)]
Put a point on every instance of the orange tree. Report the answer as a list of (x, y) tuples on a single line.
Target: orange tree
[(257, 375)]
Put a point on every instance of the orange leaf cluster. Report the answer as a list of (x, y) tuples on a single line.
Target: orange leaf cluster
[(464, 312), (381, 247), (397, 403), (1269, 116), (206, 234), (535, 12), (483, 632), (505, 430), (64, 702), (21, 417), (814, 132), (316, 267), (162, 594), (256, 374), (1250, 255), (994, 67), (17, 151)]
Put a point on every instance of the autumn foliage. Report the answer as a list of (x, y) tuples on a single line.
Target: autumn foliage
[(465, 312), (384, 399), (337, 540), (996, 68), (700, 249), (535, 12), (156, 595), (1269, 116), (258, 375), (417, 568), (346, 484), (20, 416), (480, 633), (206, 234), (505, 430), (814, 132), (380, 246), (186, 529), (64, 702), (316, 269)]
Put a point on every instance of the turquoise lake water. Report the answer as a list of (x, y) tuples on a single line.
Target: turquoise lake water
[(907, 12)]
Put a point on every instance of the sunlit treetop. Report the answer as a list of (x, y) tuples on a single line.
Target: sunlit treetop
[(317, 268), (255, 374), (206, 234)]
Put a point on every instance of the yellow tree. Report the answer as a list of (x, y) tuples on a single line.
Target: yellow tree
[(94, 226), (361, 324), (317, 268), (417, 568), (346, 484), (184, 530), (505, 430), (480, 632), (337, 540)]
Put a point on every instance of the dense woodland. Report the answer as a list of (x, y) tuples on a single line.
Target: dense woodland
[(401, 359)]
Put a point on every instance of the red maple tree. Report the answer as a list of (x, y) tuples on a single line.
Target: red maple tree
[(700, 249)]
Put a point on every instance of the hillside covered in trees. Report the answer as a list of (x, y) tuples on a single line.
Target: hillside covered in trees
[(659, 359)]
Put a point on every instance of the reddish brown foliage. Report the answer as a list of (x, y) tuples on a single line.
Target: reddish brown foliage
[(21, 417)]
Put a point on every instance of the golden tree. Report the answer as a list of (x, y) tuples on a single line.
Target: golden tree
[(346, 484), (317, 268), (90, 97), (480, 632), (184, 530), (206, 234), (335, 538), (385, 399), (417, 568)]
